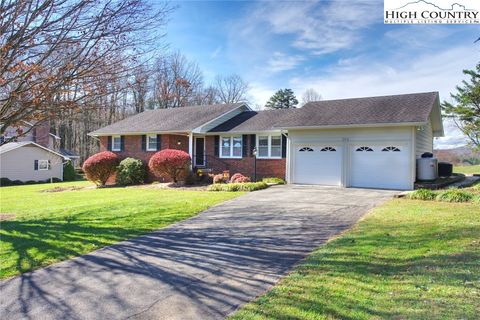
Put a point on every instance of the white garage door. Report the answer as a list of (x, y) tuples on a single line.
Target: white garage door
[(380, 166), (316, 164)]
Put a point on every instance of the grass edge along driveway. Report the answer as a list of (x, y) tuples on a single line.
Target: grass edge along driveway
[(48, 227), (406, 260)]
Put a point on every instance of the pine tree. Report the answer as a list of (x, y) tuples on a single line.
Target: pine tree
[(282, 99)]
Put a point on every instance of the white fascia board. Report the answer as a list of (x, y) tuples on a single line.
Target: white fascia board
[(244, 132), (180, 133), (352, 126), (40, 146)]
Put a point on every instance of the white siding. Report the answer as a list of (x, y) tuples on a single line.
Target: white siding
[(18, 164), (424, 140)]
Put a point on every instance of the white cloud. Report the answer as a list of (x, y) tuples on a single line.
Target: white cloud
[(319, 27), (282, 62)]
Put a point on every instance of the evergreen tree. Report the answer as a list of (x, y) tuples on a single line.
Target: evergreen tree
[(282, 99)]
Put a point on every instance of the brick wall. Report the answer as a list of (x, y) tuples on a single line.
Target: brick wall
[(245, 165), (133, 149), (42, 135)]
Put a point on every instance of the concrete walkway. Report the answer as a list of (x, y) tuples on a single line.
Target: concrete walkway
[(201, 268)]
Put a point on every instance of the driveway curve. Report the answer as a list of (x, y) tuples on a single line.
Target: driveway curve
[(201, 268)]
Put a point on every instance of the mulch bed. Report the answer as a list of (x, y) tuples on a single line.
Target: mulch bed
[(440, 183), (7, 216)]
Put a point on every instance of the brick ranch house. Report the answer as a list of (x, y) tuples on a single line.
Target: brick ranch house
[(362, 142)]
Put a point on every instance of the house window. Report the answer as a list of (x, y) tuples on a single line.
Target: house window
[(152, 142), (116, 143), (391, 148), (269, 146), (43, 165), (360, 149), (328, 149), (231, 147)]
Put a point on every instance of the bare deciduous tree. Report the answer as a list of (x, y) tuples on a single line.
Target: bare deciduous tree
[(177, 81), (231, 89), (56, 54), (310, 95)]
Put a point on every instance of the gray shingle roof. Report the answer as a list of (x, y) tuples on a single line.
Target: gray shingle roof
[(405, 108), (254, 121), (167, 120)]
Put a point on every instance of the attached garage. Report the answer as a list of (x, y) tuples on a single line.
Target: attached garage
[(380, 165), (318, 164)]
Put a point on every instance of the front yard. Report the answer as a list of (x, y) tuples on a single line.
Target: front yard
[(406, 260), (39, 228)]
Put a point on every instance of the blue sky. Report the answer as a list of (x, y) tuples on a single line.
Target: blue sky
[(340, 48)]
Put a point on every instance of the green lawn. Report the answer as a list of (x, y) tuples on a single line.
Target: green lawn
[(407, 260), (52, 226), (467, 169)]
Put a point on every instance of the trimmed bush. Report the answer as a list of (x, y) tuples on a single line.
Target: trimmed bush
[(69, 172), (130, 171), (5, 182), (99, 167), (219, 178), (273, 180), (455, 195), (249, 186), (170, 163), (422, 194), (239, 178)]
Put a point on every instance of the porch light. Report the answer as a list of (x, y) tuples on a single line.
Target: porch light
[(179, 142)]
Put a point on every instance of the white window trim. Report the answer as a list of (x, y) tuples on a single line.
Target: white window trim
[(230, 155), (113, 143), (40, 161), (148, 142), (269, 146)]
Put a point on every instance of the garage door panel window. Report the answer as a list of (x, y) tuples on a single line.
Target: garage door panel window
[(328, 149), (391, 149), (364, 149), (306, 149), (269, 146)]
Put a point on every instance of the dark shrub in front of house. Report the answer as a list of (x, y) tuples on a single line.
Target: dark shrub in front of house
[(69, 172), (170, 163), (99, 167), (130, 171)]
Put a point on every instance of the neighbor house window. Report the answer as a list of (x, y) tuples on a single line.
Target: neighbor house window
[(231, 147), (43, 165), (152, 142), (269, 146), (116, 143)]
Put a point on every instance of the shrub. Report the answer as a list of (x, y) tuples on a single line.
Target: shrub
[(273, 180), (99, 167), (239, 178), (69, 172), (455, 195), (249, 186), (422, 194), (219, 178), (5, 182), (130, 171), (170, 163), (31, 182)]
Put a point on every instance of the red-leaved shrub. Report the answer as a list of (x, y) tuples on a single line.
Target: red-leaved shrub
[(170, 163), (239, 178), (99, 167)]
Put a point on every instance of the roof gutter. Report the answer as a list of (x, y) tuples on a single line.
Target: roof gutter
[(371, 125)]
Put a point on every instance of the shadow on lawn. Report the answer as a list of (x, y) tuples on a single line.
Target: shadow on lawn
[(364, 276)]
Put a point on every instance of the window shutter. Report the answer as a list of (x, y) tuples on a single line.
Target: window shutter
[(217, 146), (144, 142), (245, 145), (284, 146), (159, 142), (253, 143), (49, 164), (35, 165), (122, 143), (109, 143)]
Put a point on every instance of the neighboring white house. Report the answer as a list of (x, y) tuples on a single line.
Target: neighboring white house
[(29, 161)]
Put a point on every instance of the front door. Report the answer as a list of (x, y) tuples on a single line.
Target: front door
[(199, 151)]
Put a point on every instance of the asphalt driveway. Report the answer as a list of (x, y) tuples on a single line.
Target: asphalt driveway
[(202, 268)]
